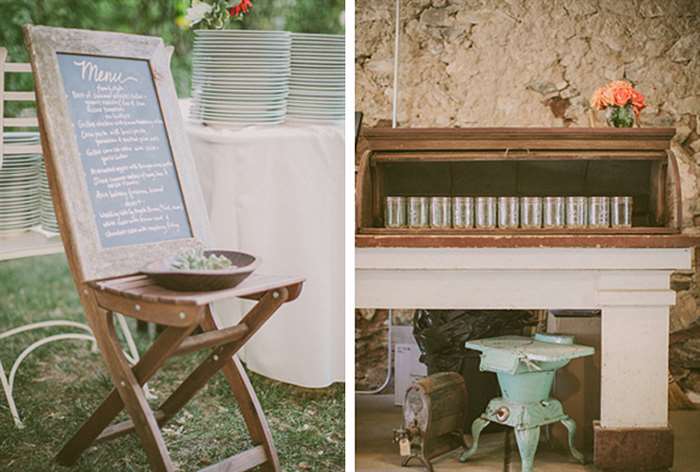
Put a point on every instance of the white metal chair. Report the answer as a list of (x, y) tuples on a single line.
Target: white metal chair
[(35, 245)]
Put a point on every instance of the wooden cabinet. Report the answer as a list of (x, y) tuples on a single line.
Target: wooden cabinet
[(520, 162)]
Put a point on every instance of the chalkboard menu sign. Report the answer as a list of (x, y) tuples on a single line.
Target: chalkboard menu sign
[(124, 150)]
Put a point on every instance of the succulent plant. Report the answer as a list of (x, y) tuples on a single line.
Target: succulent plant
[(195, 259)]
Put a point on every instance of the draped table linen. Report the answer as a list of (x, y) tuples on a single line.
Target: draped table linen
[(277, 192)]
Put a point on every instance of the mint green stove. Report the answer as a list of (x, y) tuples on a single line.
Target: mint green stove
[(525, 368)]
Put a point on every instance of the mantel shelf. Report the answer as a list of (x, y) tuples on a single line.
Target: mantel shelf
[(514, 240)]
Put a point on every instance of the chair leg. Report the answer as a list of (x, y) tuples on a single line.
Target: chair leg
[(250, 408), (224, 359), (132, 394), (149, 364)]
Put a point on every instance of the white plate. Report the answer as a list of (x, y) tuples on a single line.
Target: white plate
[(268, 56), (20, 206), (238, 80), (237, 123), (253, 58), (19, 220), (204, 32), (337, 86), (8, 175), (315, 91), (336, 101), (259, 57), (234, 108), (330, 69), (241, 114), (14, 180), (242, 90), (232, 117), (227, 72), (317, 105), (311, 111), (317, 37), (236, 98), (205, 101), (253, 41), (242, 68), (239, 97)]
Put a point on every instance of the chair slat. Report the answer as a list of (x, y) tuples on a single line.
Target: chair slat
[(125, 427), (212, 339), (22, 149), (243, 461), (32, 122), (20, 97), (17, 67)]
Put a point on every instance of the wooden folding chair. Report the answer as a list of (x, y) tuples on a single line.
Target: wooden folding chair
[(108, 278)]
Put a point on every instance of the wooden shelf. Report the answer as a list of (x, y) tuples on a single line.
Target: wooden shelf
[(505, 240), (28, 244), (519, 231)]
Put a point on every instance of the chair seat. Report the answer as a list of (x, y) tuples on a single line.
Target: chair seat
[(142, 287)]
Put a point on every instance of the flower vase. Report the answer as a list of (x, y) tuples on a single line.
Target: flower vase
[(620, 116)]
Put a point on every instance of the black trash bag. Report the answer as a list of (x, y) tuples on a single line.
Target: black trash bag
[(441, 334)]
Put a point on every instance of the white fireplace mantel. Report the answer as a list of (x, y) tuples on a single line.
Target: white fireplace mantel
[(630, 286)]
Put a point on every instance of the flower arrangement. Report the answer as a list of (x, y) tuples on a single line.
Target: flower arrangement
[(621, 101), (213, 14)]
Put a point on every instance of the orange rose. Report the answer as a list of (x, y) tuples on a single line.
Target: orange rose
[(638, 100), (607, 97), (621, 95), (597, 100), (620, 83)]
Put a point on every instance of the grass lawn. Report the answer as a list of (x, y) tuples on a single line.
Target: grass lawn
[(60, 385)]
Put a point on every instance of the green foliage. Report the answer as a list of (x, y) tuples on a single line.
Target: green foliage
[(153, 17), (620, 117), (196, 260)]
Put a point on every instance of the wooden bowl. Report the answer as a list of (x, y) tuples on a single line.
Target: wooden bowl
[(203, 280)]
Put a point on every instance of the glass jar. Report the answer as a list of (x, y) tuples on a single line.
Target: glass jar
[(463, 212), (508, 212), (599, 212), (440, 214), (576, 212), (418, 212), (554, 212), (485, 212), (621, 212), (395, 212), (531, 212)]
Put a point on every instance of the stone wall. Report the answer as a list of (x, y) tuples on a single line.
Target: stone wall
[(536, 63)]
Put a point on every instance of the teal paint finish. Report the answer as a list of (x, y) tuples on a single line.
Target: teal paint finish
[(525, 368)]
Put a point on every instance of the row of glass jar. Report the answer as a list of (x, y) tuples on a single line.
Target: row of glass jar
[(508, 212)]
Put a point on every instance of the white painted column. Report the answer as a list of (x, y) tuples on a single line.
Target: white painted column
[(634, 370)]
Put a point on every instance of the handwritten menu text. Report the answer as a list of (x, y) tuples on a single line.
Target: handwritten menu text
[(124, 150)]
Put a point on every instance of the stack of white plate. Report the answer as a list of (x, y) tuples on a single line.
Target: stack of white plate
[(47, 216), (19, 186), (240, 77), (317, 86)]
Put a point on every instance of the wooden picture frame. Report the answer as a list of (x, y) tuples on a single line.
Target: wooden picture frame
[(89, 259)]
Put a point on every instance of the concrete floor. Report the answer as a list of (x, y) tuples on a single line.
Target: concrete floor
[(377, 417)]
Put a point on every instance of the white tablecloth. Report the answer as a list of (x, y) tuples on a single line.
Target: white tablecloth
[(277, 192)]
